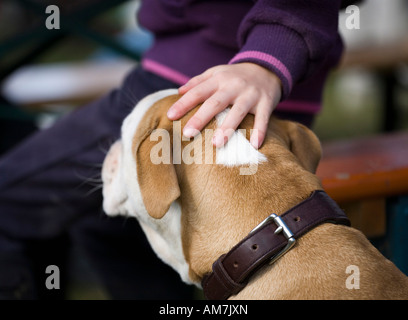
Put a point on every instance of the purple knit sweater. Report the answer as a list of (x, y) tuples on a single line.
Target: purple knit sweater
[(296, 39)]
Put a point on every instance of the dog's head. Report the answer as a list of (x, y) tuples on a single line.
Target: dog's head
[(194, 202)]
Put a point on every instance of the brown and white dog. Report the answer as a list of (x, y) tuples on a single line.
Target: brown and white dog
[(194, 211)]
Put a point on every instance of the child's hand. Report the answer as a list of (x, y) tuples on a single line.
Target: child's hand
[(247, 87)]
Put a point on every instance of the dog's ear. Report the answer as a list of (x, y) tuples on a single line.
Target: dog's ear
[(157, 181), (305, 145)]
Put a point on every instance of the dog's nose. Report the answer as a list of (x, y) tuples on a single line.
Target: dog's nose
[(111, 163)]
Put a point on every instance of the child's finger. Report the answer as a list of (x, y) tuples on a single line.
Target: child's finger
[(191, 99), (208, 110), (235, 116), (262, 116), (194, 82)]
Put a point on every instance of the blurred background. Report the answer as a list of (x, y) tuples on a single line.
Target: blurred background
[(47, 73), (368, 93)]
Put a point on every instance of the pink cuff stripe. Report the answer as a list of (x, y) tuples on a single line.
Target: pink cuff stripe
[(164, 71), (268, 59)]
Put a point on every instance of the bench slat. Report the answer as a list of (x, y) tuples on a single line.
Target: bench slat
[(365, 167)]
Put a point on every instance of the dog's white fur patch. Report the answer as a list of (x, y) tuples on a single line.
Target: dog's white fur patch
[(238, 150)]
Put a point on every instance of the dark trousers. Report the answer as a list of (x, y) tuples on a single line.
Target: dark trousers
[(50, 196)]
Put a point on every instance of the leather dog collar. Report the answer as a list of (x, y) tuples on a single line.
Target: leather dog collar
[(267, 242)]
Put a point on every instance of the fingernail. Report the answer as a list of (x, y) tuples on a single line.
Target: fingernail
[(171, 113), (183, 87), (254, 141), (219, 138), (190, 132)]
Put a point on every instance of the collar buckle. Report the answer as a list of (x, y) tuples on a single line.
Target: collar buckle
[(281, 227)]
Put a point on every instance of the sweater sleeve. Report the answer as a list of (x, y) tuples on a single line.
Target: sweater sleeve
[(292, 38)]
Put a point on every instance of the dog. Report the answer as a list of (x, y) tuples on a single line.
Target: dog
[(194, 212)]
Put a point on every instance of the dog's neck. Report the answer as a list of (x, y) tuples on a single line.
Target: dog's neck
[(212, 223)]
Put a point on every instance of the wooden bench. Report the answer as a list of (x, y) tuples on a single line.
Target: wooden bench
[(368, 177), (365, 168)]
